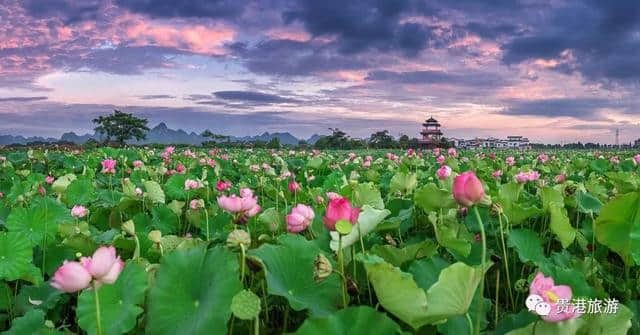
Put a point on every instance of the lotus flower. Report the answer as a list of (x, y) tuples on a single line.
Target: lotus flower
[(191, 184), (109, 166), (79, 211), (467, 189), (440, 159), (452, 152), (294, 187), (510, 160), (137, 164), (300, 218), (552, 294), (71, 277), (49, 180), (223, 185), (104, 265), (497, 174), (443, 172), (340, 209)]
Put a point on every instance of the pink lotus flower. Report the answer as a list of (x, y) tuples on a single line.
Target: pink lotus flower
[(169, 150), (319, 199), (3, 159), (222, 186), (510, 160), (231, 203), (49, 180), (467, 189), (137, 164), (1, 195), (615, 160), (552, 294), (440, 159), (636, 158), (436, 152), (104, 265), (443, 172), (181, 169), (522, 177), (534, 175), (410, 152), (340, 209), (300, 218), (195, 204), (294, 187), (224, 157), (497, 174), (561, 178), (254, 168), (71, 277), (191, 184), (452, 152), (109, 166), (333, 195), (138, 191), (211, 162), (543, 158), (41, 190), (246, 192), (253, 211), (366, 164), (79, 211)]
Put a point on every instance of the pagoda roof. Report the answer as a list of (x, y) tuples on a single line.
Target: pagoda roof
[(431, 119)]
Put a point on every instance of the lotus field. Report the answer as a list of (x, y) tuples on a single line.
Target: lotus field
[(196, 241)]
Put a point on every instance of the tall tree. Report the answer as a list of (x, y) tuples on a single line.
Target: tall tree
[(121, 126)]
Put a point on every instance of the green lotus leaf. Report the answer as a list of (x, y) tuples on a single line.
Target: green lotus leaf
[(618, 226), (293, 277), (120, 303), (39, 222), (350, 321), (193, 292), (16, 255)]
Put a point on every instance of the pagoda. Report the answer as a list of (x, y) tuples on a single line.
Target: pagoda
[(431, 134)]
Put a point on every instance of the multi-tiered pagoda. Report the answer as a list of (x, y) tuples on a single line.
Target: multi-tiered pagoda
[(431, 134)]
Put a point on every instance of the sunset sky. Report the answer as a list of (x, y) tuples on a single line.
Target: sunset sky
[(550, 70)]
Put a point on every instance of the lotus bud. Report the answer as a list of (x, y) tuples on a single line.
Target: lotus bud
[(238, 237), (129, 227)]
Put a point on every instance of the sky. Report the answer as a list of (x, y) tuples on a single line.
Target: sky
[(554, 71)]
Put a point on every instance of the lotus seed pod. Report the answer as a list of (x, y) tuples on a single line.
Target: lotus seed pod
[(155, 236), (238, 237), (323, 268), (522, 285)]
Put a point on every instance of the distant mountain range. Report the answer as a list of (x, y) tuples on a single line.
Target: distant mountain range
[(160, 134)]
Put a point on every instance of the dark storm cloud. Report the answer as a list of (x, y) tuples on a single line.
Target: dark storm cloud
[(598, 39), (473, 79), (579, 108), (22, 99), (69, 11), (156, 97), (362, 25), (253, 97), (186, 8), (285, 57)]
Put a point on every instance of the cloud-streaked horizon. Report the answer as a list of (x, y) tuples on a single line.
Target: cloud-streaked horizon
[(552, 70)]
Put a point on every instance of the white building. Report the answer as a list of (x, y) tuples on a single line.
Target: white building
[(512, 142)]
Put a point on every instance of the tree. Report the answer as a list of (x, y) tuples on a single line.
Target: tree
[(381, 139), (274, 143), (403, 141), (121, 126)]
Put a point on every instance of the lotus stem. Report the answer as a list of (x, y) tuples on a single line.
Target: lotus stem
[(482, 266), (98, 319)]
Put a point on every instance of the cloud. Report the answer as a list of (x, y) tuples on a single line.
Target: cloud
[(253, 97), (218, 9), (579, 108), (22, 99), (471, 78), (69, 11), (156, 97), (362, 25), (604, 50)]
